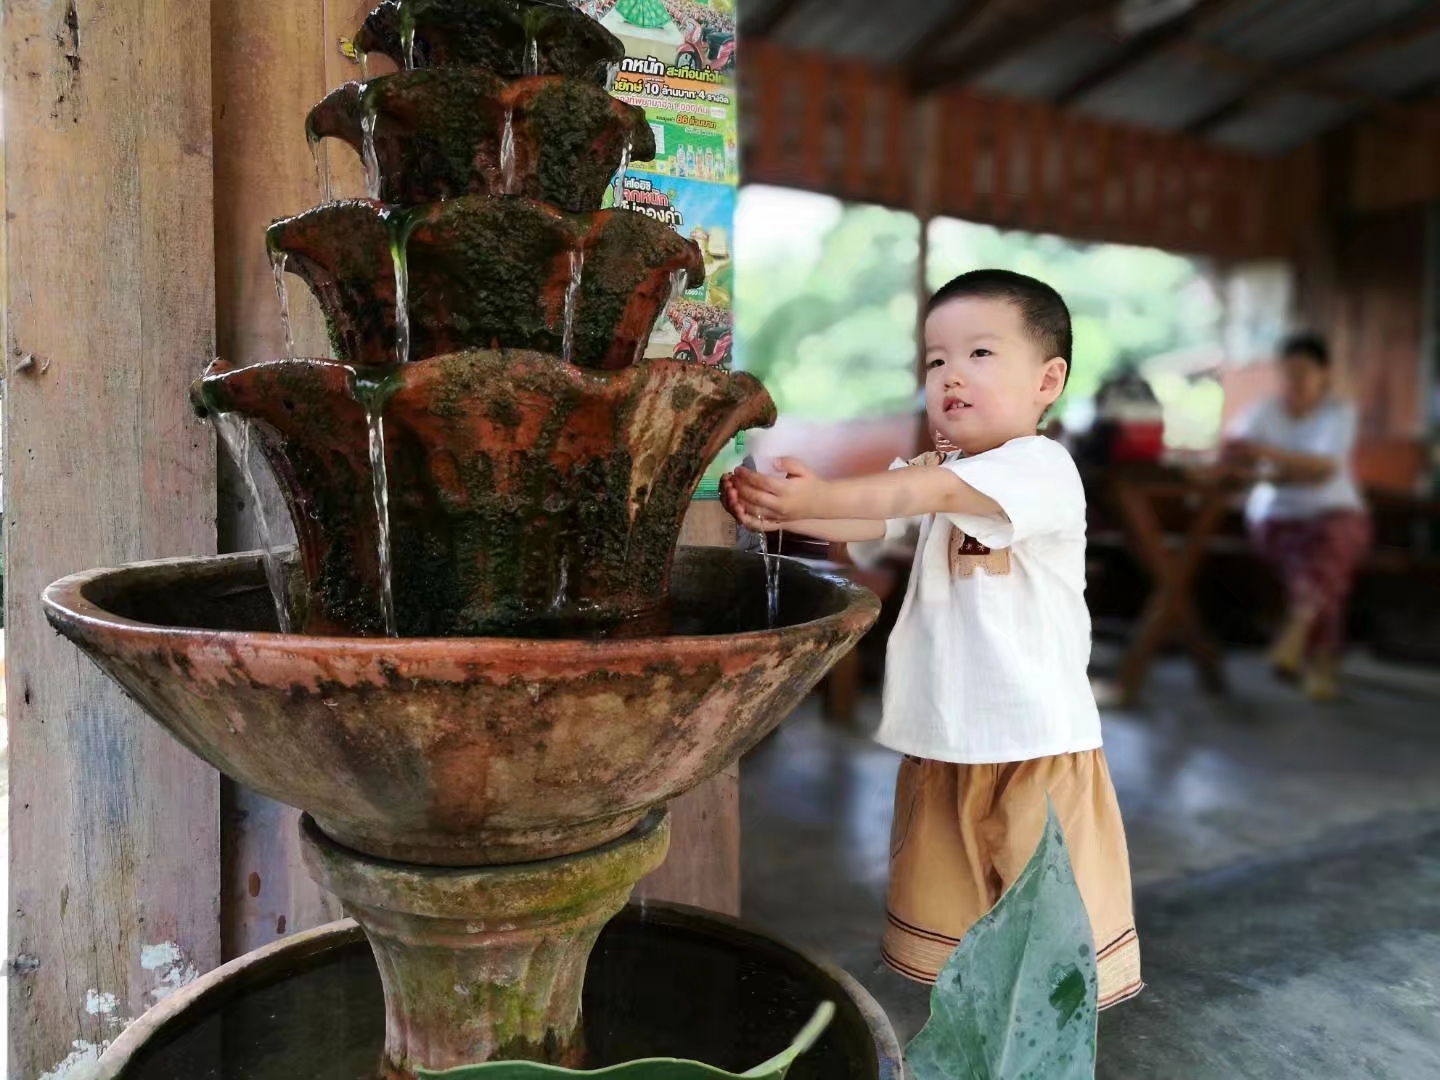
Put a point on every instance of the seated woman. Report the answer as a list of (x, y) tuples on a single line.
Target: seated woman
[(1306, 515)]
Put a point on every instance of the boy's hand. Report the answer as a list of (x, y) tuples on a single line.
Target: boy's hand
[(730, 499), (798, 495)]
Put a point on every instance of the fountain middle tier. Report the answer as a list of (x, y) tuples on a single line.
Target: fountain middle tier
[(485, 271), (526, 496), (456, 751)]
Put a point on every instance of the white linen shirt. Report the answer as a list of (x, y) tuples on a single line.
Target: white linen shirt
[(988, 660), (1328, 431)]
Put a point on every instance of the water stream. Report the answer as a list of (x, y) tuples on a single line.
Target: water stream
[(531, 63), (507, 154), (399, 227), (234, 431), (406, 15), (370, 162), (381, 483), (278, 260), (772, 576), (624, 168), (572, 294), (322, 174), (372, 395)]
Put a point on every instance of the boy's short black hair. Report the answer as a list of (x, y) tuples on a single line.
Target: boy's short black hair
[(1043, 312), (1311, 346)]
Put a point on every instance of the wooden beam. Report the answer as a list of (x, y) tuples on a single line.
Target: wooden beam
[(772, 19), (1301, 76), (987, 50), (110, 311)]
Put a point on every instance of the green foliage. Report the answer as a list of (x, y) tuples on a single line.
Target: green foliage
[(1127, 304), (654, 1069), (828, 324), (826, 300), (1017, 999)]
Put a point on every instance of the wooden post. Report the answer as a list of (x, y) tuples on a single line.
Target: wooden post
[(703, 868), (110, 315), (270, 67)]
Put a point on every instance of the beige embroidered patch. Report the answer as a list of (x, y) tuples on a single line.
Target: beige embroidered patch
[(968, 555)]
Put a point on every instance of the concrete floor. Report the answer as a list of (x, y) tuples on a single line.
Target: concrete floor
[(1286, 859)]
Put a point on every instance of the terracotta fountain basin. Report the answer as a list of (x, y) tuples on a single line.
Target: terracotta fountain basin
[(462, 751)]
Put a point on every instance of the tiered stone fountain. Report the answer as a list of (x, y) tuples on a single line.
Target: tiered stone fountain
[(485, 669)]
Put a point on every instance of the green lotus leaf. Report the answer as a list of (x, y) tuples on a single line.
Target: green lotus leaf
[(1017, 998), (652, 1069)]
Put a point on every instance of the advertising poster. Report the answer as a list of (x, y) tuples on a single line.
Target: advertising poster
[(680, 68)]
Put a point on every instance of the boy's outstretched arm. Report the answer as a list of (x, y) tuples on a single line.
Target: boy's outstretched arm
[(800, 495), (836, 530)]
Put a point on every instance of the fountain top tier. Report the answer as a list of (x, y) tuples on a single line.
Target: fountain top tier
[(490, 453)]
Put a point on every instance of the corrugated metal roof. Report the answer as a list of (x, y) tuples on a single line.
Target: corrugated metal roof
[(1399, 71), (1291, 31), (1053, 64), (885, 33), (1283, 123), (1166, 92), (1173, 88)]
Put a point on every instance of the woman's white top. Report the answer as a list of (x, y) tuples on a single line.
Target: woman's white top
[(1327, 431), (988, 660)]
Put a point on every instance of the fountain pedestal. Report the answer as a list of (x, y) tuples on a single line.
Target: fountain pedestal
[(484, 963)]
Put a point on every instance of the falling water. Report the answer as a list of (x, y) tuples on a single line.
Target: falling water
[(364, 65), (368, 156), (531, 65), (399, 228), (572, 294), (234, 432), (507, 154), (322, 174), (624, 164), (407, 34), (380, 481), (277, 266), (562, 587), (772, 575)]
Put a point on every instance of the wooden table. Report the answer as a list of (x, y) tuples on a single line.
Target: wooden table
[(1172, 558)]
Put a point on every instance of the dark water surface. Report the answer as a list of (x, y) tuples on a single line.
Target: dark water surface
[(661, 983)]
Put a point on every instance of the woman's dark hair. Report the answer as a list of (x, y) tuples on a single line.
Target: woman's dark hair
[(1311, 346), (1042, 311)]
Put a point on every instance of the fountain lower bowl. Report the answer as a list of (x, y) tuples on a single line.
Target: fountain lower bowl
[(663, 981), (463, 751)]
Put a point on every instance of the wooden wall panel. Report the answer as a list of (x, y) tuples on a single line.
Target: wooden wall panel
[(804, 115), (114, 870), (1396, 159), (265, 169)]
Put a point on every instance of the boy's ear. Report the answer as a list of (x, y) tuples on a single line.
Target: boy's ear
[(1052, 378)]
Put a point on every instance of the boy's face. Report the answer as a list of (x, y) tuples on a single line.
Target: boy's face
[(986, 381)]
